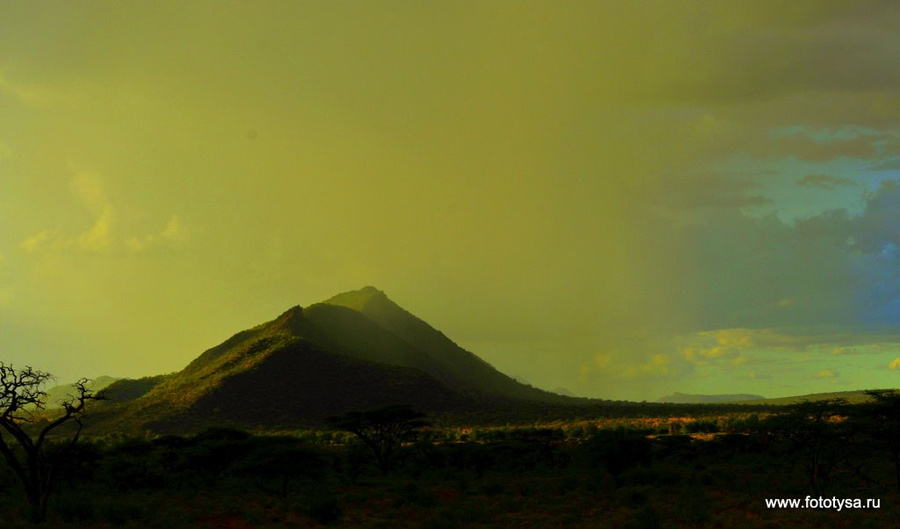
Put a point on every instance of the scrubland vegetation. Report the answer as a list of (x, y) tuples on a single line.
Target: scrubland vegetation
[(705, 471)]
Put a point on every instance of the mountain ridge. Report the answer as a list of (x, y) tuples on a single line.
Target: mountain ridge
[(689, 398), (355, 350)]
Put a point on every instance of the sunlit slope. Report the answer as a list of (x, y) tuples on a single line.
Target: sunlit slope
[(440, 356)]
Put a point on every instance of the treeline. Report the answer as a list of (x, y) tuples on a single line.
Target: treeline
[(637, 473)]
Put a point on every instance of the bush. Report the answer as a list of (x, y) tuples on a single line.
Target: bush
[(76, 507), (618, 450), (324, 507), (702, 427), (644, 518)]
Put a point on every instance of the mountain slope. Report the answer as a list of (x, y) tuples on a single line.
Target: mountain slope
[(358, 350), (444, 359)]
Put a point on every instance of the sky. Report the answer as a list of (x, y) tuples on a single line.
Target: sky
[(623, 199)]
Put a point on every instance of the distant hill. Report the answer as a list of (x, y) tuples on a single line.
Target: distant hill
[(852, 397), (687, 398), (357, 350), (57, 394)]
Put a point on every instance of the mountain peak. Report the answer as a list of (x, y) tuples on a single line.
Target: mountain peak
[(357, 299), (291, 320)]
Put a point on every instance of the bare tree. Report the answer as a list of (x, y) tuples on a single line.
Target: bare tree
[(22, 400)]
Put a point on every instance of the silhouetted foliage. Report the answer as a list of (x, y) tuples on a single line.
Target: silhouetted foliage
[(383, 430), (618, 450), (881, 419), (21, 398), (277, 462), (815, 437)]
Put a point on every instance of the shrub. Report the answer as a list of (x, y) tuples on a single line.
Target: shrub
[(644, 518), (617, 450), (323, 507)]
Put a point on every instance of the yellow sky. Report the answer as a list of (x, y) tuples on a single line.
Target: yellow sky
[(587, 194)]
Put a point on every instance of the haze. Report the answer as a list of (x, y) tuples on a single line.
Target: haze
[(624, 199)]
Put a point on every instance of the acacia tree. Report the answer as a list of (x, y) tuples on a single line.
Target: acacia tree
[(817, 437), (22, 399), (383, 430), (880, 418)]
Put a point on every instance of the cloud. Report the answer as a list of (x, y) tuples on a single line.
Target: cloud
[(97, 239), (171, 235), (827, 50), (869, 243), (714, 190), (712, 346), (819, 145), (891, 164), (173, 230), (824, 181), (35, 242), (895, 364), (658, 366), (618, 365), (826, 373), (843, 351), (88, 188)]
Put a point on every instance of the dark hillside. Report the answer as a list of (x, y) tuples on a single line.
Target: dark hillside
[(130, 389), (302, 385)]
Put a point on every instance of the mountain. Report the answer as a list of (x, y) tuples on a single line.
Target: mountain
[(564, 391), (57, 394), (357, 350), (853, 397), (686, 398), (438, 355)]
